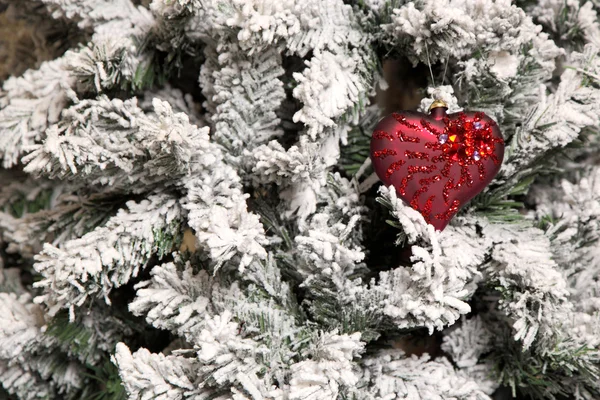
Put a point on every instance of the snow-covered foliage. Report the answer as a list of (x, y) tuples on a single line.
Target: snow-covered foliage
[(391, 373), (34, 362), (243, 93), (558, 118), (330, 367), (114, 57), (155, 376), (433, 291), (90, 13), (572, 23), (109, 256), (458, 28), (172, 147), (467, 345), (187, 208), (30, 104)]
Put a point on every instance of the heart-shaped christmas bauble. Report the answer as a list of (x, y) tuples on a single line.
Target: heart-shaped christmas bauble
[(437, 162)]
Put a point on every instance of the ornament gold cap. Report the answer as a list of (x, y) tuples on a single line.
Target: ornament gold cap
[(437, 104)]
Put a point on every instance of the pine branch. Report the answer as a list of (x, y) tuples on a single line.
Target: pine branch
[(178, 299), (301, 170), (91, 266), (30, 104), (560, 368), (30, 364), (217, 212), (433, 290), (329, 373), (571, 25), (121, 54), (151, 376), (38, 212), (121, 146), (90, 13), (390, 372), (244, 93), (323, 102), (468, 346), (552, 123), (90, 337)]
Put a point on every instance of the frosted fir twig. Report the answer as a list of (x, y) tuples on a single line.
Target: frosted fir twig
[(26, 235), (242, 88), (19, 201), (573, 23), (557, 119), (571, 214), (301, 170), (498, 58), (431, 31), (390, 372), (341, 55), (571, 211), (226, 358), (179, 101), (217, 212), (243, 92), (111, 142), (148, 376), (327, 108), (109, 256), (534, 290), (330, 372), (411, 221), (549, 123), (282, 24), (339, 217), (505, 82), (278, 28), (177, 299), (325, 101), (432, 292), (117, 55), (189, 304), (29, 360), (225, 362), (32, 103), (268, 309), (129, 150), (329, 258), (91, 336), (289, 25), (520, 264), (26, 385), (468, 342), (330, 261), (466, 345), (90, 13)]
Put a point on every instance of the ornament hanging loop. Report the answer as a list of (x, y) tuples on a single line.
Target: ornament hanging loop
[(438, 109), (438, 104)]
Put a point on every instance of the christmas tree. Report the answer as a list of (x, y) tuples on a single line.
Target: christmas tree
[(188, 209)]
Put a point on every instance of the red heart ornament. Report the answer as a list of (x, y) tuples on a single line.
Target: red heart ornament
[(437, 162)]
